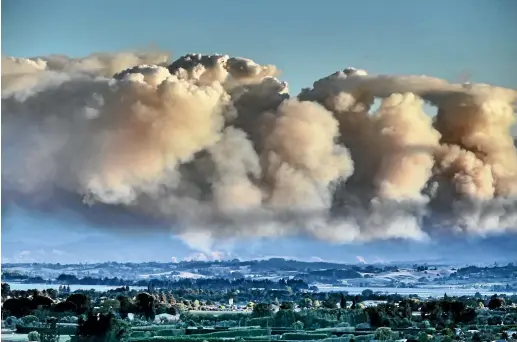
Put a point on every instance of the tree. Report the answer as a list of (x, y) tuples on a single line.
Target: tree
[(329, 304), (43, 301), (375, 315), (145, 305), (476, 337), (495, 302), (102, 327), (110, 305), (82, 302), (18, 307), (367, 293), (287, 306), (180, 307), (125, 306), (6, 290), (172, 300), (305, 303), (262, 310), (407, 310), (342, 301), (65, 307), (355, 301), (285, 318), (163, 298)]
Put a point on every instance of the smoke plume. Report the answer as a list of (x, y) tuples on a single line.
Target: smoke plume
[(215, 147)]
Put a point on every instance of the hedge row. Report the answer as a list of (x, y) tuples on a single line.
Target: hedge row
[(152, 333), (344, 338), (63, 329), (236, 333), (155, 327), (336, 329), (260, 338), (177, 339), (302, 336), (260, 321), (364, 338)]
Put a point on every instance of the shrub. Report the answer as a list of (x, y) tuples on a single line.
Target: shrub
[(298, 325), (29, 320), (425, 324), (33, 336), (12, 321), (69, 319), (383, 334)]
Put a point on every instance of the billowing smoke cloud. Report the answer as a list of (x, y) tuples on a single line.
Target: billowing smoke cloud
[(216, 147), (19, 74)]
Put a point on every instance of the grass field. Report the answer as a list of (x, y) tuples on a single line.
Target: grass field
[(24, 338)]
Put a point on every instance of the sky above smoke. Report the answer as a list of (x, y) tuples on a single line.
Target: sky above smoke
[(215, 147)]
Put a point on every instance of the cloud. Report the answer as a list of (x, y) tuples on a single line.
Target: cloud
[(214, 147)]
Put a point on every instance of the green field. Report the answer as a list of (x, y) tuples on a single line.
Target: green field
[(24, 338)]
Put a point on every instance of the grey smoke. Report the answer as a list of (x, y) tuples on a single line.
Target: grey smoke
[(216, 147)]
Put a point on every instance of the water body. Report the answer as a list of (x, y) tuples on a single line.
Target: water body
[(423, 292), (99, 288)]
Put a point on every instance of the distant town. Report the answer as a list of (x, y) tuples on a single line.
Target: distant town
[(261, 300)]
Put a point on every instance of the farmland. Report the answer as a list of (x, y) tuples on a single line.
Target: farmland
[(252, 302)]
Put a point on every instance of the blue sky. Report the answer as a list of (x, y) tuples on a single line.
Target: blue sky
[(307, 41)]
